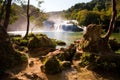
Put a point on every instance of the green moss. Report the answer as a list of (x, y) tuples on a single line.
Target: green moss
[(31, 35), (10, 58), (118, 51), (60, 43), (95, 62), (61, 56), (52, 65), (114, 44), (15, 35), (40, 41), (16, 39), (65, 64), (77, 56)]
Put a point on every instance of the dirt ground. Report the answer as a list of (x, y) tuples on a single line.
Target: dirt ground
[(33, 72)]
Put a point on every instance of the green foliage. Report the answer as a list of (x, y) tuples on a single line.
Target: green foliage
[(36, 15), (96, 62), (19, 41), (85, 59), (89, 18), (23, 42), (13, 14), (97, 12)]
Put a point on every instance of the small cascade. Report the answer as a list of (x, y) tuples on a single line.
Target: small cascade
[(58, 28)]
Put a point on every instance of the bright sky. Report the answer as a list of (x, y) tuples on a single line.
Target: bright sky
[(57, 5)]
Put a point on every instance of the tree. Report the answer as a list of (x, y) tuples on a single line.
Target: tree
[(40, 17), (86, 17), (2, 11), (7, 14), (93, 42), (9, 57), (112, 21), (28, 19), (6, 9)]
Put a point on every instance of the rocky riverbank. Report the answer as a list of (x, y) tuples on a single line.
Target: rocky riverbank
[(77, 62)]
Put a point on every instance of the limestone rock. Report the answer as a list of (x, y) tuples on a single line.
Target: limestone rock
[(93, 42), (40, 41), (52, 65), (93, 32), (66, 64)]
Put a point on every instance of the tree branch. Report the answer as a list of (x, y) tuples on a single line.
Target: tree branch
[(112, 21)]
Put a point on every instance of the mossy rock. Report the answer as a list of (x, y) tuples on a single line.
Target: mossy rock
[(33, 43), (40, 41), (66, 64), (87, 58), (77, 56), (114, 44), (20, 41), (12, 35), (64, 54), (93, 42), (16, 40), (60, 43), (61, 56), (106, 63), (51, 65), (70, 52), (10, 58)]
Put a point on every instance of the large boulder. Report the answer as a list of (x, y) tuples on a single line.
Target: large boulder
[(96, 62), (92, 32), (10, 58), (93, 42), (40, 41), (64, 54), (51, 65)]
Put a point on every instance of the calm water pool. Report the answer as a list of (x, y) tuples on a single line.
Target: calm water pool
[(68, 37)]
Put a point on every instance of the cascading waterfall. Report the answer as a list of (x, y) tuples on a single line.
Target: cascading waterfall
[(59, 25), (58, 28)]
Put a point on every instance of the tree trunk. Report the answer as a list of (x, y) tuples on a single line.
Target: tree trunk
[(9, 58), (28, 20), (2, 11), (112, 21), (6, 8), (7, 15)]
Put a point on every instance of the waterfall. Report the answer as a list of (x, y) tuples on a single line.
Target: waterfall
[(58, 28)]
